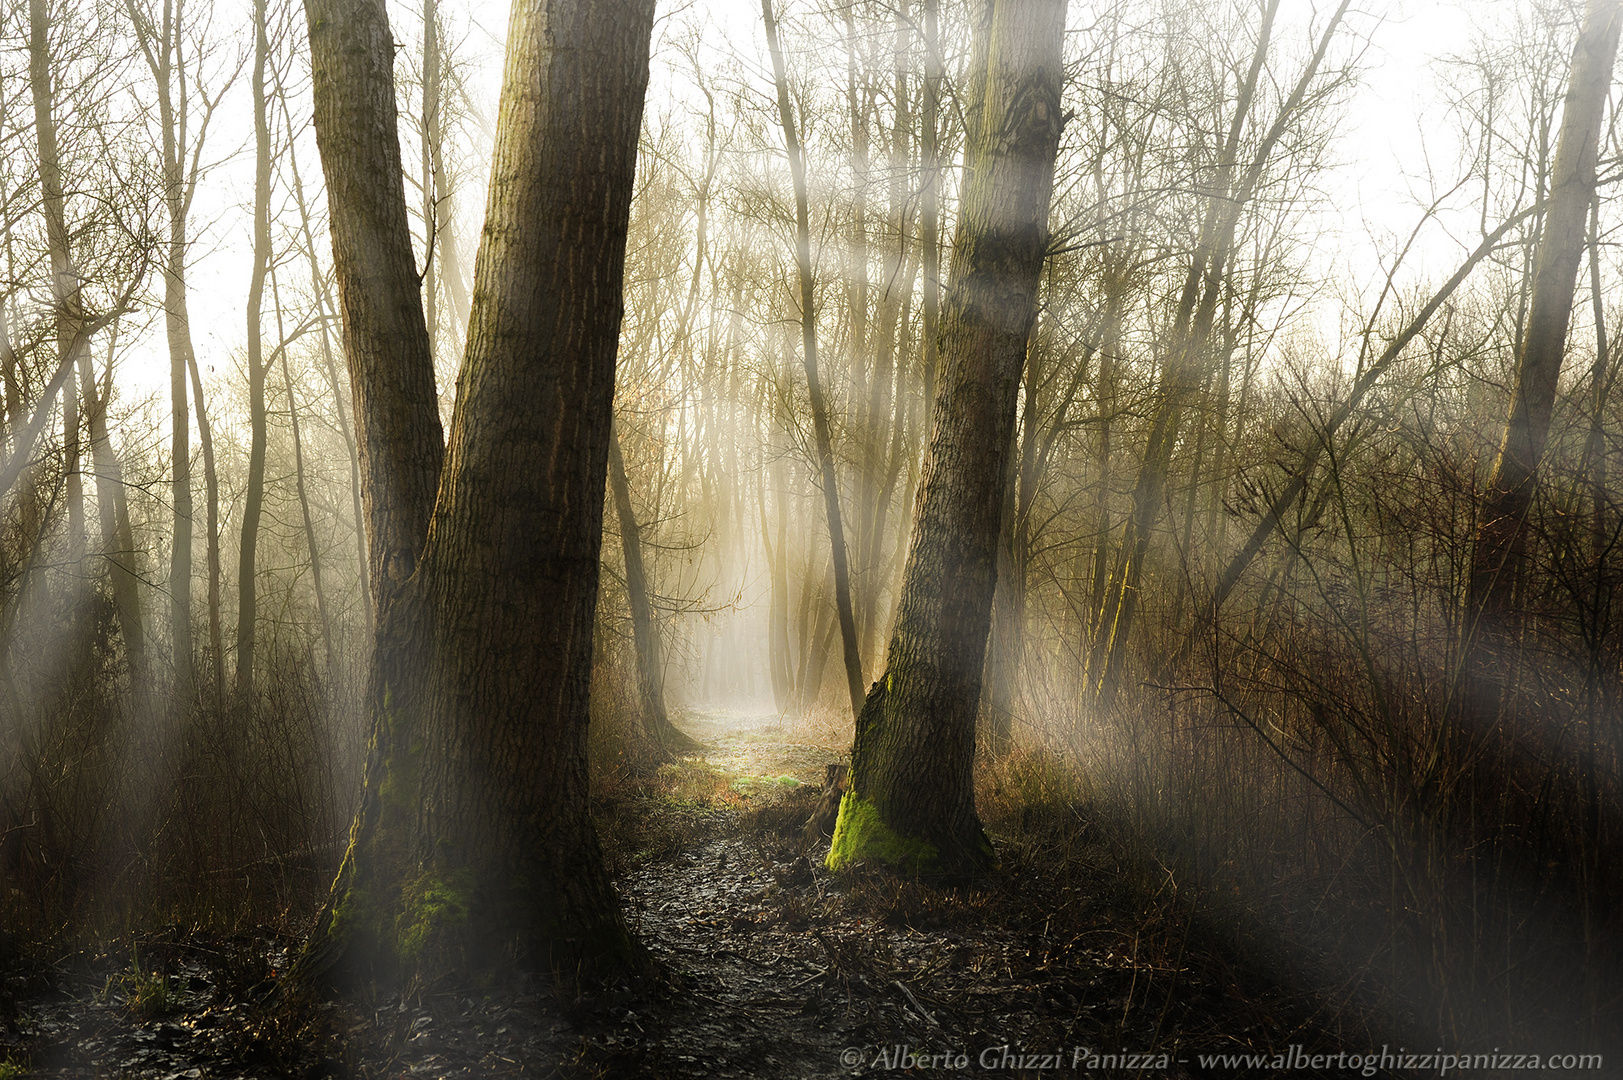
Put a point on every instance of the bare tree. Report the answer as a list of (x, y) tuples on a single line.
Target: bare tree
[(912, 801)]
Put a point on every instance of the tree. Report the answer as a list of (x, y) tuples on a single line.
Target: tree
[(911, 801), (1189, 350), (808, 322), (474, 840), (75, 328), (1496, 561), (254, 499), (665, 737), (183, 101)]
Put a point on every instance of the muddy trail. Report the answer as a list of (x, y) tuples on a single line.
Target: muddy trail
[(1062, 963)]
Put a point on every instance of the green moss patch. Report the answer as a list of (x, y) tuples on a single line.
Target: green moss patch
[(861, 834), (434, 903)]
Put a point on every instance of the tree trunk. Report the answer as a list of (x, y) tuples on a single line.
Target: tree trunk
[(656, 722), (318, 282), (1501, 536), (474, 841), (912, 801), (401, 446), (808, 324), (211, 489), (254, 499), (162, 45)]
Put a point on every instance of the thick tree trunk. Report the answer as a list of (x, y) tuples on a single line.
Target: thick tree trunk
[(397, 418), (912, 802), (474, 841), (509, 575), (1501, 536), (808, 323)]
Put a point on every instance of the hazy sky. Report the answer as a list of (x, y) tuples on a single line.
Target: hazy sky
[(1396, 123)]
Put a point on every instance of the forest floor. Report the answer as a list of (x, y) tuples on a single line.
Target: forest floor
[(771, 966)]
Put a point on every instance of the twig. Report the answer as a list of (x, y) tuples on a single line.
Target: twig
[(922, 1011)]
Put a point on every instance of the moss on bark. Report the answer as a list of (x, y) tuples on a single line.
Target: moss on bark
[(861, 834)]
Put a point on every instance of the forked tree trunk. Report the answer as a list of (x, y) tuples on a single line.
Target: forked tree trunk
[(912, 802), (474, 840)]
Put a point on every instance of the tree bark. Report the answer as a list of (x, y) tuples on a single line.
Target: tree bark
[(912, 801), (474, 840), (391, 370)]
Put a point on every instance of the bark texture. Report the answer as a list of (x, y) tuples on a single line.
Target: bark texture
[(397, 418), (509, 574), (474, 843), (911, 802)]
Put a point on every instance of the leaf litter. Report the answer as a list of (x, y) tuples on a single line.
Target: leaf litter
[(768, 965)]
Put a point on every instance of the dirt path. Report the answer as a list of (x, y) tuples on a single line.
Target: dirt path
[(773, 967)]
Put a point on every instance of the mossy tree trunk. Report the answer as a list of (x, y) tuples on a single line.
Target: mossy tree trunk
[(474, 843), (911, 802)]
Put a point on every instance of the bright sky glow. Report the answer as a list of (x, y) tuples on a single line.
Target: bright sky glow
[(1397, 136)]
